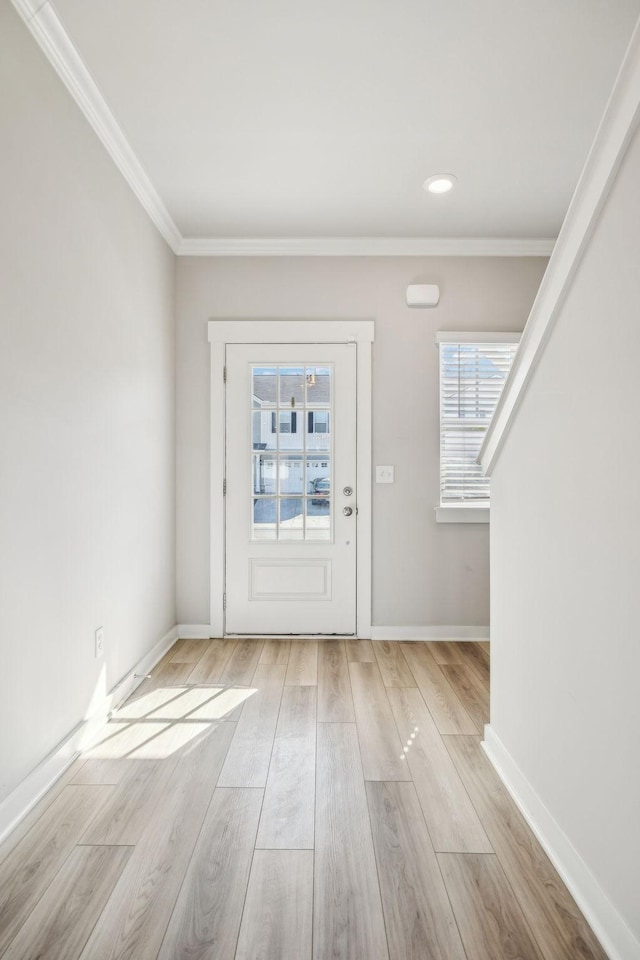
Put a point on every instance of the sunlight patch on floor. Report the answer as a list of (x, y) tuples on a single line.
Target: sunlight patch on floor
[(119, 739), (174, 738), (147, 703), (223, 704), (166, 720)]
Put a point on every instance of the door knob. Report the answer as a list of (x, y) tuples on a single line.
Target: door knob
[(347, 511)]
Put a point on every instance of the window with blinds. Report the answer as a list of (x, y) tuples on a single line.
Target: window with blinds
[(472, 375)]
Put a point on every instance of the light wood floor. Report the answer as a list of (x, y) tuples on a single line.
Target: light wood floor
[(289, 800)]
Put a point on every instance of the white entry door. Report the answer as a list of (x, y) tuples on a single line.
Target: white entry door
[(291, 489)]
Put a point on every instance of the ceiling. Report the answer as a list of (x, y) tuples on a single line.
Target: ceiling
[(282, 118)]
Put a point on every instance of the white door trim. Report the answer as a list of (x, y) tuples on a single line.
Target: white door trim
[(223, 332)]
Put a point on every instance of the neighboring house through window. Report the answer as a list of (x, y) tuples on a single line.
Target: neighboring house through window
[(473, 371), (288, 422), (318, 421)]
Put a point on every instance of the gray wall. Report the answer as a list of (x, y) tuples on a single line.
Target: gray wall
[(565, 554), (87, 422), (423, 573)]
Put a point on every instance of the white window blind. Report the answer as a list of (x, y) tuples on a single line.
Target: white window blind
[(472, 375)]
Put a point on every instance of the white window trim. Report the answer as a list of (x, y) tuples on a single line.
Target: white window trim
[(468, 512), (463, 513)]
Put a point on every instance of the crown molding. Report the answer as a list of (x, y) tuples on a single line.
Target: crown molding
[(619, 123), (47, 29), (368, 247)]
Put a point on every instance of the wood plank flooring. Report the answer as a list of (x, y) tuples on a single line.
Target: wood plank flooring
[(289, 800)]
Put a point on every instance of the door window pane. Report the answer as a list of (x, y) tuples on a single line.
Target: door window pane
[(265, 475), (318, 429), (264, 526), (291, 431), (264, 386), (291, 474), (318, 524), (291, 519), (318, 421), (263, 430), (318, 383), (318, 471), (291, 387)]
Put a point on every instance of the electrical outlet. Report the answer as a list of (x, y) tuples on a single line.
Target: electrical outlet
[(99, 642)]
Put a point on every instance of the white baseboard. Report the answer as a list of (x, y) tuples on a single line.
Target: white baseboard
[(125, 687), (200, 631), (617, 939), (193, 631), (20, 801), (430, 633)]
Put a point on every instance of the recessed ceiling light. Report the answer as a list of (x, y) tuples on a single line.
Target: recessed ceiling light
[(440, 183)]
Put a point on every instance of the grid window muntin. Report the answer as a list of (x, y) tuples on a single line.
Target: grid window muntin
[(292, 452)]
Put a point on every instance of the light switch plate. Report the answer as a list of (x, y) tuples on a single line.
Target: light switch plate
[(385, 474)]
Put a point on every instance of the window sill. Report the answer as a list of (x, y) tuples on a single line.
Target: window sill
[(462, 513)]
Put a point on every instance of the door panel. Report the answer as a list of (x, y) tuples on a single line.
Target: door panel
[(290, 455)]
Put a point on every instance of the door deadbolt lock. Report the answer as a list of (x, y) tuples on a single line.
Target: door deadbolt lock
[(348, 491), (347, 511)]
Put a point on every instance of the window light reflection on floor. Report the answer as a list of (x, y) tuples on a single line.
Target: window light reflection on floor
[(405, 750), (165, 720)]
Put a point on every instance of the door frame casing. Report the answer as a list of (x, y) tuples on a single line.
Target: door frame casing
[(224, 332)]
